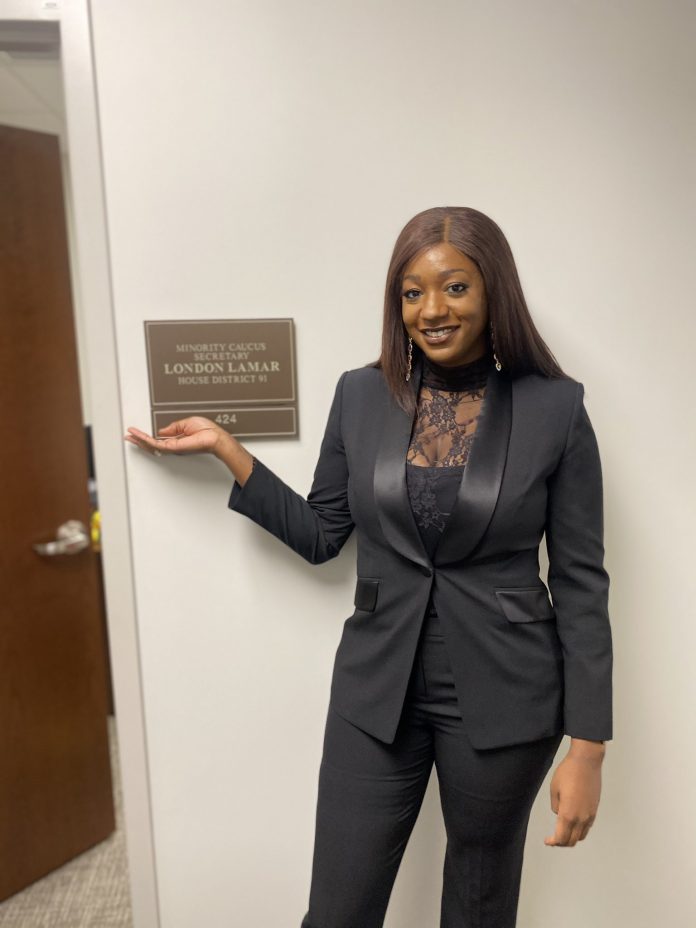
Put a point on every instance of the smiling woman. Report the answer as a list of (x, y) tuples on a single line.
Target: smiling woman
[(453, 288), (444, 305), (453, 454)]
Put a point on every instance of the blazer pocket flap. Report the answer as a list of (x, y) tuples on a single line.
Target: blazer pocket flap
[(526, 604), (366, 593)]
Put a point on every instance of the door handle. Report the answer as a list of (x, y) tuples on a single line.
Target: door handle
[(71, 537)]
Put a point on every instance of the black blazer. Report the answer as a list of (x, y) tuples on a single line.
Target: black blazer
[(524, 667)]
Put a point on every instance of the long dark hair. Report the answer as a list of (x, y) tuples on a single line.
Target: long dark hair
[(518, 345)]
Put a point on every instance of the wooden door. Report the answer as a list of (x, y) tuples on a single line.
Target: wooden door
[(55, 780)]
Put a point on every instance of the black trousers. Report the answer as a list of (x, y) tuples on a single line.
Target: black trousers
[(370, 794)]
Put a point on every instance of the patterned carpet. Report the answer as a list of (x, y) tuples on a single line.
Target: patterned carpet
[(89, 892)]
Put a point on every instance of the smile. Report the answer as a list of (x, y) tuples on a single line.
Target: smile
[(435, 336)]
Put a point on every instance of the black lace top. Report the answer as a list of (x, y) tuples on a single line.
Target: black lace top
[(450, 402)]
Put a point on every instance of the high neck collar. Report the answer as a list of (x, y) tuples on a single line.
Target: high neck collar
[(468, 376)]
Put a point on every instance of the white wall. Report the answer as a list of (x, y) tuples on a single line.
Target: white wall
[(260, 160)]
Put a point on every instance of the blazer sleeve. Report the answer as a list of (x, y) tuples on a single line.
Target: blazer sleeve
[(578, 581), (316, 527)]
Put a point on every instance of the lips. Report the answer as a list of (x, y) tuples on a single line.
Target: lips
[(438, 335)]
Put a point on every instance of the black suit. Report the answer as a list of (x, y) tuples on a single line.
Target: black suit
[(488, 697), (525, 668)]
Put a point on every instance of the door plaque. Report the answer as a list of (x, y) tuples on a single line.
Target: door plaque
[(240, 373)]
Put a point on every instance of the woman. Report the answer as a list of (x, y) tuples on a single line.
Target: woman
[(452, 456)]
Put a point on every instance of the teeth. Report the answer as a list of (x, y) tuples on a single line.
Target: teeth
[(438, 333)]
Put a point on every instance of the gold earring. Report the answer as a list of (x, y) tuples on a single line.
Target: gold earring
[(410, 359)]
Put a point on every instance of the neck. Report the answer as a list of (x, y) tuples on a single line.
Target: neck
[(466, 376)]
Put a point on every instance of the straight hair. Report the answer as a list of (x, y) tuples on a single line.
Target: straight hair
[(518, 345)]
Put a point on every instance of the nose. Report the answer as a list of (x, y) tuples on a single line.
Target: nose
[(434, 306)]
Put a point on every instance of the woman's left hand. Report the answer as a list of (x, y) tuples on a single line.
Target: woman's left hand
[(575, 790)]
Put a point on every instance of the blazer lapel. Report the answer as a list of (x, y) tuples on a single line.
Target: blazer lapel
[(479, 488), (390, 491)]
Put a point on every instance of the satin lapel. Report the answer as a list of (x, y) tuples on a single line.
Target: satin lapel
[(483, 474), (391, 494)]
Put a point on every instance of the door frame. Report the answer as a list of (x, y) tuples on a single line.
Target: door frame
[(92, 269)]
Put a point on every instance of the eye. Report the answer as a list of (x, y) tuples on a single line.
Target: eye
[(457, 288), (411, 294)]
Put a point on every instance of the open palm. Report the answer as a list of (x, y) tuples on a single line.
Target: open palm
[(195, 435)]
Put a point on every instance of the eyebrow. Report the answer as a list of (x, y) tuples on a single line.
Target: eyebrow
[(441, 275)]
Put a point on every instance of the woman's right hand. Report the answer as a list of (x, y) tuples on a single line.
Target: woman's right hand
[(195, 435)]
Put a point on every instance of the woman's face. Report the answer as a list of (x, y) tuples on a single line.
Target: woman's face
[(443, 305)]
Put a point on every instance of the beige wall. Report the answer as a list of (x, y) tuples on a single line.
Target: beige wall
[(259, 160)]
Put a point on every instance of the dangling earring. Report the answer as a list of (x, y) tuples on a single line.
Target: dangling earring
[(498, 365), (410, 359)]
